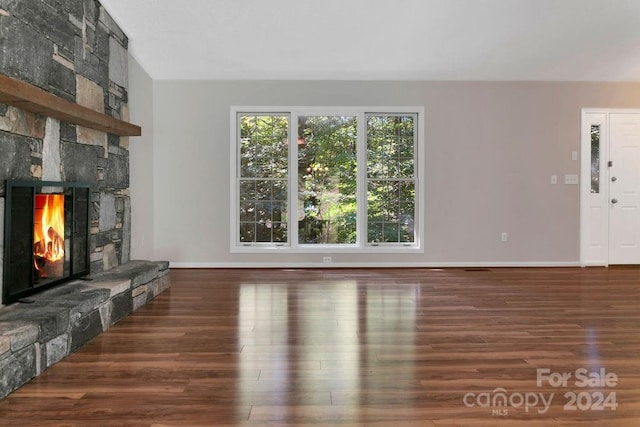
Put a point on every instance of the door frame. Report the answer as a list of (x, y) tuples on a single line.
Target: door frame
[(594, 208)]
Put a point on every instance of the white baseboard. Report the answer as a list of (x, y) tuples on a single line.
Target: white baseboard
[(376, 265), (594, 264)]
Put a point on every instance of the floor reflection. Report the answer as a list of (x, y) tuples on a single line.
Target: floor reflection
[(323, 342)]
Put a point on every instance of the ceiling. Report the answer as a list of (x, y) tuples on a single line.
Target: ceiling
[(552, 40)]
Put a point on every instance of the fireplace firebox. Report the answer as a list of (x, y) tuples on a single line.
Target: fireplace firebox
[(46, 236)]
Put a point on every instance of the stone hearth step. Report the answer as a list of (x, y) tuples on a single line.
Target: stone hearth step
[(62, 319)]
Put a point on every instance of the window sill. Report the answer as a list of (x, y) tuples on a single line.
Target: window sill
[(346, 249)]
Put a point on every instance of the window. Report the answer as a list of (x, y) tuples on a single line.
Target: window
[(262, 179), (339, 178), (327, 182), (391, 181)]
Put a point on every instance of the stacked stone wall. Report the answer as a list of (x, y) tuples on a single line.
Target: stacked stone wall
[(74, 50)]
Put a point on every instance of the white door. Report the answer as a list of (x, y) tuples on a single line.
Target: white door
[(624, 188), (610, 187)]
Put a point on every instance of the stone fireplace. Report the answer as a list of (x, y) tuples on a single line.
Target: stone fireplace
[(74, 50), (72, 55)]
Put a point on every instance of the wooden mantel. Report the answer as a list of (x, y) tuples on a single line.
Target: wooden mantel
[(31, 98)]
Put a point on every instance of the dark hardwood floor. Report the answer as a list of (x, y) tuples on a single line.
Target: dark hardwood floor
[(399, 347)]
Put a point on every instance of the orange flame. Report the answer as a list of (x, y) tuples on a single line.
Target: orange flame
[(48, 236)]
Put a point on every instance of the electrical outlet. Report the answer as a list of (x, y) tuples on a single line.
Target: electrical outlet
[(326, 259), (504, 236)]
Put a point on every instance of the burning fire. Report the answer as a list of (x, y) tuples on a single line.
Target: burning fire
[(48, 236)]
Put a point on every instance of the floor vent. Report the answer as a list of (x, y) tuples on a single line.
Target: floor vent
[(476, 269)]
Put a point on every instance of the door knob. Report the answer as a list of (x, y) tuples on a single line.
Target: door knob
[(614, 179), (614, 201)]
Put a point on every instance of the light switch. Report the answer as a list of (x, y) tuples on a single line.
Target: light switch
[(574, 155), (554, 179), (571, 179)]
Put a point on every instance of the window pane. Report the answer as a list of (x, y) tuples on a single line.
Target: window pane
[(390, 146), (263, 174), (406, 212), (264, 144), (247, 232), (280, 232), (391, 178), (263, 232), (595, 158), (327, 179), (247, 211), (391, 211), (247, 190), (374, 232)]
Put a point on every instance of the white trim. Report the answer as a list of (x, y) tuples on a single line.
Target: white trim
[(377, 265), (600, 263), (292, 207), (233, 181), (257, 248), (361, 181), (611, 110), (325, 110), (421, 146)]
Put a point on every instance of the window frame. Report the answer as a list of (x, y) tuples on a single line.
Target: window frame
[(292, 245)]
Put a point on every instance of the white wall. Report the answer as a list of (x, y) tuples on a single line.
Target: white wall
[(491, 149), (141, 163)]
